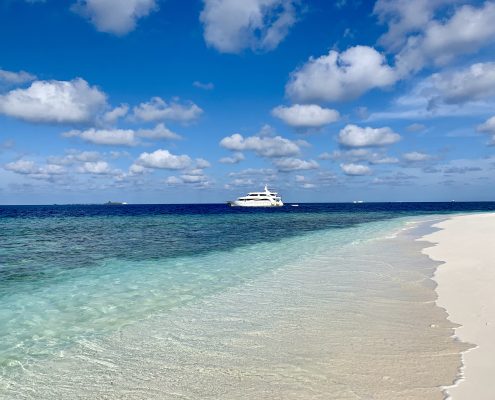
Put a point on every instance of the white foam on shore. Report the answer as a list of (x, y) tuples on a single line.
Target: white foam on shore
[(464, 246)]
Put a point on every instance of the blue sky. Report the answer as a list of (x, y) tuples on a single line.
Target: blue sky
[(164, 101)]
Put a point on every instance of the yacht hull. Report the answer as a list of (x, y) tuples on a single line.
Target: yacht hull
[(261, 204)]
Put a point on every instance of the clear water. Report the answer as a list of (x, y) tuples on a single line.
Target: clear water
[(205, 301)]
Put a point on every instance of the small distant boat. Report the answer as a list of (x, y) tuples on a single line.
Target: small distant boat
[(266, 198), (115, 203), (294, 205), (358, 202)]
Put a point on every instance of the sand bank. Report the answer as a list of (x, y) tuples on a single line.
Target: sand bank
[(466, 289)]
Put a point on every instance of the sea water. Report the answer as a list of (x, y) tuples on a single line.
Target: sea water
[(195, 302)]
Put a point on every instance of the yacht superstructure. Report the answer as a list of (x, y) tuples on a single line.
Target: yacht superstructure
[(266, 198)]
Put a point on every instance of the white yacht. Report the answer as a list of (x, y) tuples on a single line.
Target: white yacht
[(258, 199)]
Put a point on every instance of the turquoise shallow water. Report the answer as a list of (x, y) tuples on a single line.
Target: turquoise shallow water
[(76, 285)]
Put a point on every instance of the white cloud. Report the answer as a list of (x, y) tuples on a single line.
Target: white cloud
[(163, 159), (173, 180), (112, 116), (384, 160), (158, 109), (136, 169), (415, 156), (404, 17), (54, 102), (122, 137), (114, 16), (356, 155), (16, 78), (341, 76), (74, 157), (266, 146), (488, 126), (306, 116), (440, 42), (118, 137), (96, 168), (160, 131), (24, 167), (204, 86), (242, 182), (234, 159), (195, 178), (355, 169), (231, 26), (325, 156), (450, 93), (419, 104), (416, 127), (186, 178), (29, 168), (456, 87), (201, 163), (355, 136), (294, 164), (252, 171)]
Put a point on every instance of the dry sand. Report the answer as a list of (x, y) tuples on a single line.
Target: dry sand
[(466, 289)]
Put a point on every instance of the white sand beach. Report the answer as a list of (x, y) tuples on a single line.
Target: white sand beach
[(466, 289)]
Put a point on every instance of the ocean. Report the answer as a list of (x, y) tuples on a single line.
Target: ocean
[(324, 301)]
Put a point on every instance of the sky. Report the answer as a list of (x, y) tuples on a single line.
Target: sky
[(172, 101)]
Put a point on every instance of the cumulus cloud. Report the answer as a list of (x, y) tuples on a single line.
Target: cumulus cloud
[(158, 109), (114, 16), (187, 178), (29, 168), (112, 116), (404, 17), (95, 168), (163, 159), (21, 166), (231, 26), (340, 76), (122, 137), (252, 171), (460, 86), (440, 42), (306, 116), (415, 156), (356, 136), (355, 169), (265, 146), (355, 155), (15, 78), (74, 157), (204, 86), (294, 164), (160, 131), (54, 102), (116, 137), (201, 163), (416, 127), (450, 93), (236, 158), (488, 127)]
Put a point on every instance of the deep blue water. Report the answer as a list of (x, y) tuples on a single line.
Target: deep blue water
[(35, 239)]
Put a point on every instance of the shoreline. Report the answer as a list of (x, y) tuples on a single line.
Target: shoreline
[(465, 280)]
